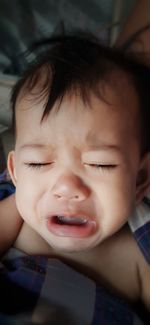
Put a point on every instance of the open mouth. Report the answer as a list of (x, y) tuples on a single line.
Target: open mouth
[(70, 221), (71, 226)]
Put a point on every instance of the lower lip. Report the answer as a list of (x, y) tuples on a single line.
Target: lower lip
[(82, 231)]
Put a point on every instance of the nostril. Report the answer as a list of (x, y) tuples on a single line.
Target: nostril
[(58, 196), (70, 188), (69, 196), (77, 197)]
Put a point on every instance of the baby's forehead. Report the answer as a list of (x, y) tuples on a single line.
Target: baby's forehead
[(112, 114), (117, 89), (117, 101)]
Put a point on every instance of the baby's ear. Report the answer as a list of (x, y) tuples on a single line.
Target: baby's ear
[(143, 178), (11, 166)]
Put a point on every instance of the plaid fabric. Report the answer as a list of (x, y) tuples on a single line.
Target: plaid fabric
[(6, 189), (40, 290), (139, 224)]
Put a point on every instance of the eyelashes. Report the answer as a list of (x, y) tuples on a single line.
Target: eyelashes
[(106, 167), (101, 167), (37, 165)]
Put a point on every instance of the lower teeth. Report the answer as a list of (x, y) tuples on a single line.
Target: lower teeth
[(73, 221)]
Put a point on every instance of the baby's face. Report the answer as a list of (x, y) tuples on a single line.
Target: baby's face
[(75, 173)]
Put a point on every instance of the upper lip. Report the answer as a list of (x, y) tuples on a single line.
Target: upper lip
[(78, 214)]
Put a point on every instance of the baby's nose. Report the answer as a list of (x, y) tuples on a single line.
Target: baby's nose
[(70, 187)]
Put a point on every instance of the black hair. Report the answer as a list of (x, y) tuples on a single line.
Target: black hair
[(81, 63)]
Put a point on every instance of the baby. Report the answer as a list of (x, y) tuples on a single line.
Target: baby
[(81, 161)]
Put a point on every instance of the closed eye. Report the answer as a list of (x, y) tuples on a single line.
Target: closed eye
[(37, 165), (102, 166)]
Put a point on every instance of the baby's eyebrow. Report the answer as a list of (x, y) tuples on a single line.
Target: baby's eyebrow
[(95, 143), (103, 147), (32, 146), (89, 147)]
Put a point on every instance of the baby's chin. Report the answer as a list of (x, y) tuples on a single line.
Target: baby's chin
[(71, 245)]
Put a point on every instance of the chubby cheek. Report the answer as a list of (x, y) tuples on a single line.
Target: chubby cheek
[(27, 194), (114, 204)]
